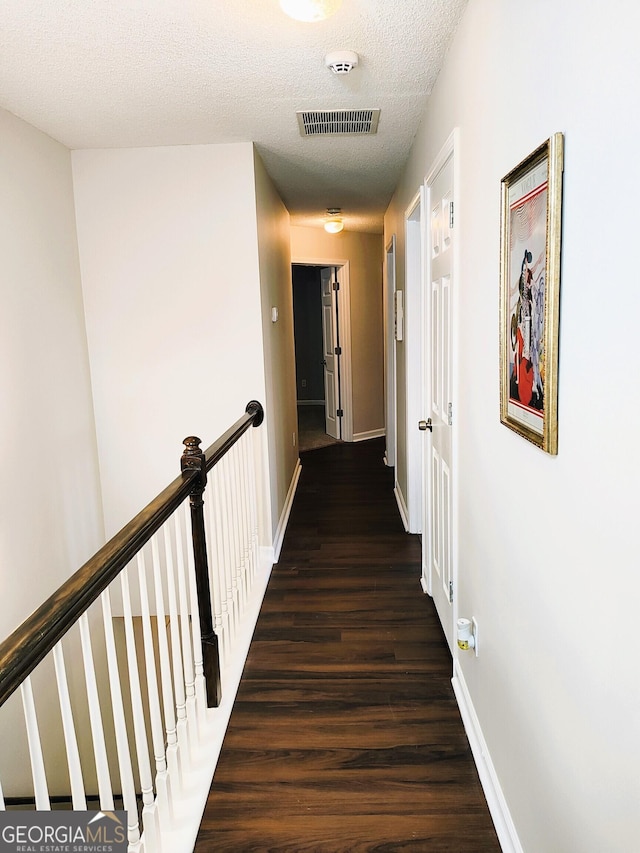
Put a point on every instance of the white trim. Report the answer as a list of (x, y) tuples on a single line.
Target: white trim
[(498, 808), (389, 287), (286, 511), (344, 310), (372, 433), (404, 515), (414, 217)]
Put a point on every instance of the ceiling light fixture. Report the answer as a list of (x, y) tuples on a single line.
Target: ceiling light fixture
[(334, 224), (310, 11)]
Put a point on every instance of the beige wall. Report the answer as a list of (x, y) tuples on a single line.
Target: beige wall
[(169, 259), (364, 253), (547, 545), (275, 283)]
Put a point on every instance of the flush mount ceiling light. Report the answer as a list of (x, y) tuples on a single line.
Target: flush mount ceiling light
[(334, 223), (310, 11)]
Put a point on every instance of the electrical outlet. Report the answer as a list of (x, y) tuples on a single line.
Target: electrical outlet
[(304, 383)]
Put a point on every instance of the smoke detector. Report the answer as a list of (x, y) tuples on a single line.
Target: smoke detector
[(341, 61)]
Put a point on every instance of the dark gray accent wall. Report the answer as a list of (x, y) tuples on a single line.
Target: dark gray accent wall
[(307, 319)]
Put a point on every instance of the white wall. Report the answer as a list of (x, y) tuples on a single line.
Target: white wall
[(169, 260), (50, 509), (548, 558), (50, 513)]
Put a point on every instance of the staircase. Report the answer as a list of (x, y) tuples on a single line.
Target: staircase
[(116, 692)]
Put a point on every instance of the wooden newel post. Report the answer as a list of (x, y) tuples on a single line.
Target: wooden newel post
[(193, 457)]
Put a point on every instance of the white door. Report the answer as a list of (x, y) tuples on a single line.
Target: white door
[(330, 354), (438, 521)]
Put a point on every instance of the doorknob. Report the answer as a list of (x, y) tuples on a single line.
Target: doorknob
[(424, 425)]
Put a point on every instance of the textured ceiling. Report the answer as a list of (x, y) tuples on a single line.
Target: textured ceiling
[(128, 73)]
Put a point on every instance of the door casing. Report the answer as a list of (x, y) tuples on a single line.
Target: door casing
[(344, 310), (414, 358), (390, 354)]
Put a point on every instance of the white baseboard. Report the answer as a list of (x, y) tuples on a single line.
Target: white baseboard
[(404, 513), (365, 436), (286, 511), (505, 828)]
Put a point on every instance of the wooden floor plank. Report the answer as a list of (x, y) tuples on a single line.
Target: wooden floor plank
[(345, 735)]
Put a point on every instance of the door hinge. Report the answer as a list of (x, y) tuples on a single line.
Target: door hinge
[(450, 415), (338, 350), (340, 413), (336, 285), (450, 592), (450, 214)]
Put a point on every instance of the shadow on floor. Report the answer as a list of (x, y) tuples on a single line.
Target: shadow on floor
[(311, 429)]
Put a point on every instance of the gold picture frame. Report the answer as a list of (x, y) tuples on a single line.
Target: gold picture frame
[(530, 229)]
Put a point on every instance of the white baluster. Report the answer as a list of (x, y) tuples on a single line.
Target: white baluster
[(163, 787), (187, 656), (150, 819), (201, 689), (244, 500), (228, 540), (247, 508), (242, 562), (95, 717), (235, 530), (122, 741), (253, 505), (35, 748), (173, 745), (214, 568), (217, 564), (176, 654), (78, 798)]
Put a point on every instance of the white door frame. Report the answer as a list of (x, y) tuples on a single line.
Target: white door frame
[(390, 353), (344, 310), (414, 218), (451, 148)]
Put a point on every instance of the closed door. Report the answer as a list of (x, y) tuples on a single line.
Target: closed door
[(438, 545), (330, 354)]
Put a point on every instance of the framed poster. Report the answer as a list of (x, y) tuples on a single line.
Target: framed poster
[(531, 222)]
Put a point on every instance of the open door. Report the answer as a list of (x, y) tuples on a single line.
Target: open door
[(438, 544), (331, 352)]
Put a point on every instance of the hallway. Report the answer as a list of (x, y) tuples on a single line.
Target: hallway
[(345, 735)]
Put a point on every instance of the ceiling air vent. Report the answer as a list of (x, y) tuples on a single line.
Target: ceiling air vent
[(337, 122)]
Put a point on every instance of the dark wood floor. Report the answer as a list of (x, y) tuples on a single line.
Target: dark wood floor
[(345, 735)]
